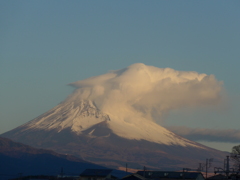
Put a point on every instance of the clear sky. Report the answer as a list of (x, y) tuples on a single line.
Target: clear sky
[(45, 45)]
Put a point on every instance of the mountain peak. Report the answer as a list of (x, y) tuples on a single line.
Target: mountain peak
[(77, 116)]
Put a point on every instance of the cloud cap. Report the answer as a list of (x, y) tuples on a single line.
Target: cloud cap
[(149, 90)]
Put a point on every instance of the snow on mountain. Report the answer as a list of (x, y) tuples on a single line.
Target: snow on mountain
[(78, 117), (85, 115)]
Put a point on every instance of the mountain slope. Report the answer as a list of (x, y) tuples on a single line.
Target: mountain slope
[(18, 158), (89, 134), (84, 114)]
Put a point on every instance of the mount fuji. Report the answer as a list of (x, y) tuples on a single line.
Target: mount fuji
[(111, 119)]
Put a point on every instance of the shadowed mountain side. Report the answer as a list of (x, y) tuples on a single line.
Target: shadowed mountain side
[(99, 145), (18, 158)]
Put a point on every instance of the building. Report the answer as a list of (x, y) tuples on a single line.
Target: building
[(169, 175), (97, 174), (134, 176), (217, 177)]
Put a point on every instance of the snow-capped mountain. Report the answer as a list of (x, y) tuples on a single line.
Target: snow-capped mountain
[(78, 117), (84, 115), (109, 119)]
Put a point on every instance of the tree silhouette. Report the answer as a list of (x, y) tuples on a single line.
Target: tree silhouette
[(235, 157)]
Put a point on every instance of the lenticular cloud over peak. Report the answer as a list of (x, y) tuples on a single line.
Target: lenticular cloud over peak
[(148, 91)]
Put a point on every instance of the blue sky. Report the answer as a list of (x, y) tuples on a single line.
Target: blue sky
[(44, 45)]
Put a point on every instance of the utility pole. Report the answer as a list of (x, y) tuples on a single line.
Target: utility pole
[(206, 167), (226, 169), (200, 167), (227, 166), (144, 169)]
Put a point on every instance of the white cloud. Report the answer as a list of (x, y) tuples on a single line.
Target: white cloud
[(148, 90)]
